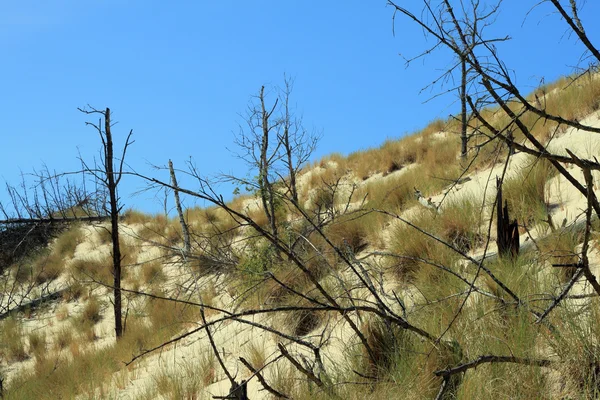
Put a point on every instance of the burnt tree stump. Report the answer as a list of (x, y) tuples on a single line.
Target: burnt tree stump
[(507, 237)]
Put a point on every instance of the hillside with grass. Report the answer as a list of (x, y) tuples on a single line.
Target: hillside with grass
[(383, 280)]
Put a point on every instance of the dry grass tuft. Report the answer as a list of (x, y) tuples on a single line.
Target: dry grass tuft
[(561, 248), (526, 191), (187, 382), (47, 267), (12, 346), (92, 312), (459, 223), (97, 270), (63, 338), (65, 244), (168, 317), (152, 272), (132, 216), (37, 344), (351, 232)]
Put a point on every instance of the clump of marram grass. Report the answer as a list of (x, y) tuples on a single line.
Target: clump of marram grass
[(132, 216), (400, 363), (571, 99), (323, 200), (169, 317), (350, 233), (387, 343), (99, 270), (302, 322), (202, 216), (138, 337), (62, 312), (459, 223), (47, 267), (67, 242), (326, 174), (561, 248), (414, 251), (515, 335), (394, 155), (104, 233), (185, 383), (153, 230), (12, 347), (22, 271), (37, 344), (152, 272), (130, 249), (74, 290), (63, 338), (255, 353), (391, 194), (92, 311), (526, 194), (577, 347), (41, 265)]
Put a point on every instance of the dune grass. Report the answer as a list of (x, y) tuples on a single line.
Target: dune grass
[(404, 364), (526, 192), (12, 347)]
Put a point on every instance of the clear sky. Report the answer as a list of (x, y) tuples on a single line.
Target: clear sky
[(179, 73)]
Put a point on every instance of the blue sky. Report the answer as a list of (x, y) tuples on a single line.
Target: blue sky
[(179, 74)]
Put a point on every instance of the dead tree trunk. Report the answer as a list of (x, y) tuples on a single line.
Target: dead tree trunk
[(114, 224), (463, 108), (265, 186), (287, 146), (184, 227), (239, 391), (110, 179), (507, 232)]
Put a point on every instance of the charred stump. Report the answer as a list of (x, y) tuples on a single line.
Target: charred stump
[(507, 232), (238, 391)]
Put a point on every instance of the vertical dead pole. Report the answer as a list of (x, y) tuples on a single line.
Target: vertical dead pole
[(110, 179), (463, 107), (114, 223), (287, 145), (184, 227), (265, 186), (507, 233)]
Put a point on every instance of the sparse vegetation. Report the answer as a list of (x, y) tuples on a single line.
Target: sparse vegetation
[(93, 270), (13, 348), (346, 285), (92, 312), (526, 192), (37, 345)]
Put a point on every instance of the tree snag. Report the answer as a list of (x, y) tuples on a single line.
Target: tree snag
[(110, 179), (507, 232), (184, 227)]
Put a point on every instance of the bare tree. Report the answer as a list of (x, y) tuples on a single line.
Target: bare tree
[(362, 295), (298, 144), (260, 153), (110, 178), (277, 146)]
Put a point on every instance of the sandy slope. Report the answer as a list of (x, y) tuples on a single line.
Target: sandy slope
[(239, 339)]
